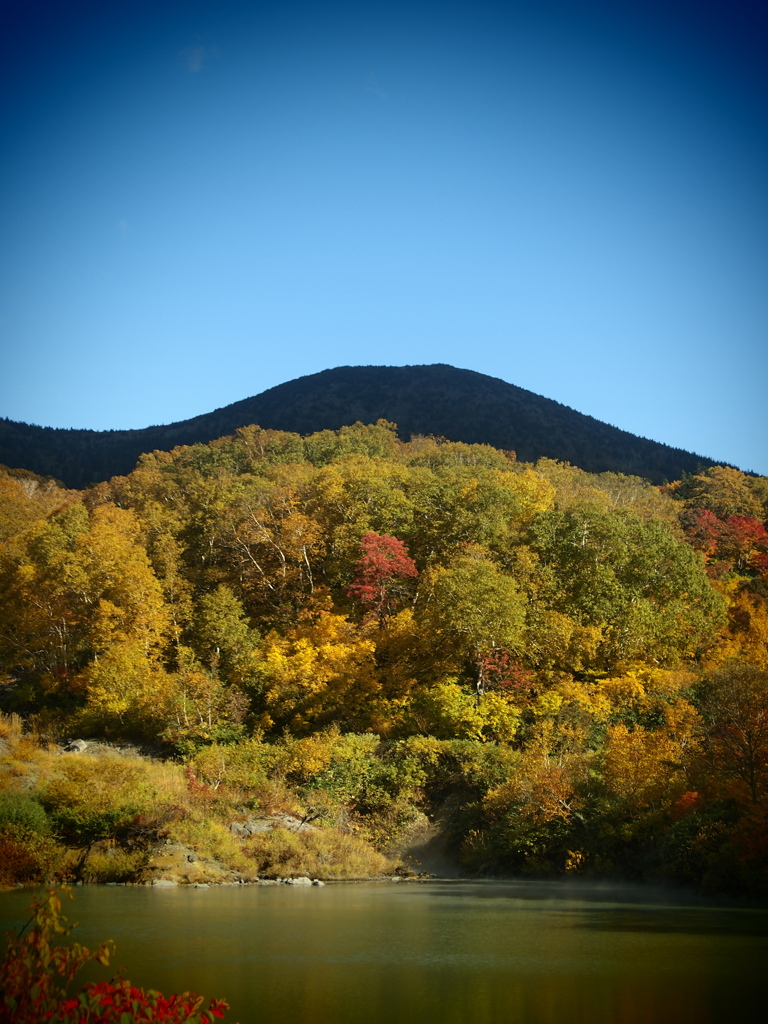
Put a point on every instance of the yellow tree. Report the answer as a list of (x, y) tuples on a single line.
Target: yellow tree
[(642, 768), (320, 671), (161, 508), (746, 636), (722, 490), (273, 544), (26, 498), (83, 608), (734, 703)]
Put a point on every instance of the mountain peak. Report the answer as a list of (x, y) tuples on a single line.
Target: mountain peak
[(438, 399)]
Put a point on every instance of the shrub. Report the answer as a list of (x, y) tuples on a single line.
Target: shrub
[(237, 766), (97, 798), (323, 854), (21, 813), (27, 850), (208, 837), (35, 977), (111, 864)]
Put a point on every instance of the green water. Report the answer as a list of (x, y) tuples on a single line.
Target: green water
[(443, 952)]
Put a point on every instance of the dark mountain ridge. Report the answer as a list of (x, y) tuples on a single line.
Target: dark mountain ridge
[(460, 405)]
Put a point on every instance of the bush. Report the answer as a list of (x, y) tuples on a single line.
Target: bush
[(240, 766), (21, 813), (112, 864), (97, 798), (27, 849), (280, 853), (35, 977), (27, 859)]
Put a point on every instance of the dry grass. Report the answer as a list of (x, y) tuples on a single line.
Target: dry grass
[(11, 728)]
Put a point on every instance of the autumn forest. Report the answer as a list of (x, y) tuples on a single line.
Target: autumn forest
[(565, 670)]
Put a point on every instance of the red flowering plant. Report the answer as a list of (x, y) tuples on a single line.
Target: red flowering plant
[(36, 976)]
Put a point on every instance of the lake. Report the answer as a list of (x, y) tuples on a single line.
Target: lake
[(448, 952)]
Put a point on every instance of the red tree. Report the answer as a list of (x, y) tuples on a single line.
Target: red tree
[(381, 573), (743, 537), (738, 541), (703, 529)]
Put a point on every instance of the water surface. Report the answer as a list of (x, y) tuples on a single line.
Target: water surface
[(480, 953)]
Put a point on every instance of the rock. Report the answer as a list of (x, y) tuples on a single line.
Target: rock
[(238, 829), (191, 857), (301, 880), (76, 746), (316, 881), (202, 885), (395, 878), (163, 883), (252, 827), (291, 823)]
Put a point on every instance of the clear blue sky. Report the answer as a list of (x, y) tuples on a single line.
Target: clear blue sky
[(201, 200)]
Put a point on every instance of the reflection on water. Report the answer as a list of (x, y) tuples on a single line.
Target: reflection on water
[(539, 953)]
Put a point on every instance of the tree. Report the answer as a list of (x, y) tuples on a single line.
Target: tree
[(273, 543), (721, 489), (26, 498), (456, 505), (74, 586), (222, 638), (703, 529), (647, 590), (743, 538), (320, 671), (734, 703), (381, 574), (746, 638), (474, 608), (127, 692), (642, 768), (739, 542)]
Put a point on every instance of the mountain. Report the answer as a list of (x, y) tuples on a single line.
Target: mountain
[(460, 405)]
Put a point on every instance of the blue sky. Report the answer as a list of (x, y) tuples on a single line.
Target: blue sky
[(201, 200)]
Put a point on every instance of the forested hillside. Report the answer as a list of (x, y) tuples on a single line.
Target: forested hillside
[(460, 405), (568, 669)]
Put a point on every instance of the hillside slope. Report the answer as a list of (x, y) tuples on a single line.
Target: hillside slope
[(461, 405)]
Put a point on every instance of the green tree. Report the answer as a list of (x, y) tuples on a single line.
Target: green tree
[(222, 637), (635, 580), (472, 608)]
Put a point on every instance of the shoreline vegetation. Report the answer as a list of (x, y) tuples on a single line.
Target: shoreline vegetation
[(344, 656)]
